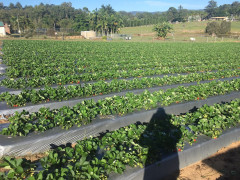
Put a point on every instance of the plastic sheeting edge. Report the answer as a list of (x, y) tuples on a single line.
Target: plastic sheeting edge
[(180, 160)]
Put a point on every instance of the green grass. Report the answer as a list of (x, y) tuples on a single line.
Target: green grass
[(190, 26), (236, 27), (181, 31), (181, 27), (137, 30)]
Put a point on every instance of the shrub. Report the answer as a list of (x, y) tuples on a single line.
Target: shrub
[(162, 29), (215, 28), (225, 27), (104, 37)]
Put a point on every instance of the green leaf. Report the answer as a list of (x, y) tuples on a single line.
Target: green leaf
[(19, 170), (11, 174), (4, 164), (83, 159), (18, 162), (31, 178)]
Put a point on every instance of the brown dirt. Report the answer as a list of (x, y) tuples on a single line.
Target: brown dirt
[(223, 165), (145, 34), (73, 37), (34, 157), (3, 121), (193, 31)]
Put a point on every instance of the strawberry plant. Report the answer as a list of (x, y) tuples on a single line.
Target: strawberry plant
[(18, 168), (40, 63), (134, 145), (75, 91), (83, 113)]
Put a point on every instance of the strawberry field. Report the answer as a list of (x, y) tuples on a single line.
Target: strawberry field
[(96, 109)]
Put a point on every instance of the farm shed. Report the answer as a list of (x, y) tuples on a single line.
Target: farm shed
[(219, 18), (88, 34), (2, 29)]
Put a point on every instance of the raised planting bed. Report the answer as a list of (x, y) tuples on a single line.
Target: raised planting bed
[(94, 57), (40, 142), (16, 88), (39, 63), (5, 109), (82, 113), (61, 79), (117, 123), (20, 98), (149, 145)]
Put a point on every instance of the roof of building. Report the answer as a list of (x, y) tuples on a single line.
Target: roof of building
[(1, 24), (219, 17)]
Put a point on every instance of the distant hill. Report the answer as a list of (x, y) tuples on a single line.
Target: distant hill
[(135, 12)]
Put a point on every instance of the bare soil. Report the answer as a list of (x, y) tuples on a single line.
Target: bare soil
[(223, 165), (4, 119), (34, 157)]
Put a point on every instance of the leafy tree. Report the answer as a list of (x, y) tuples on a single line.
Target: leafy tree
[(66, 23), (179, 14), (235, 8), (182, 15), (18, 5), (1, 5), (162, 29), (104, 20), (223, 10), (172, 13), (11, 6), (93, 20), (225, 27), (81, 23), (212, 28), (211, 8)]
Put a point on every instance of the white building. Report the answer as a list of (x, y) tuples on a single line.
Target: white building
[(2, 29), (88, 34)]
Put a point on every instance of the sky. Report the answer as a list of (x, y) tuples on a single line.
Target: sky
[(125, 5)]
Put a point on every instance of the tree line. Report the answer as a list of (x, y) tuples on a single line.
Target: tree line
[(213, 10), (104, 20)]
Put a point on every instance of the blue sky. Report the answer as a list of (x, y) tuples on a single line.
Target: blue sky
[(126, 5)]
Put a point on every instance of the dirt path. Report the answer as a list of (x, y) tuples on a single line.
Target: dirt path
[(223, 165)]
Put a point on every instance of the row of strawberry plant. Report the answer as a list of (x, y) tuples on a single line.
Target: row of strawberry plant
[(86, 77), (92, 52), (24, 123), (57, 69), (38, 72), (134, 145), (71, 68), (101, 87), (47, 58)]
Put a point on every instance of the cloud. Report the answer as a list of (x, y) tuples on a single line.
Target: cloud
[(168, 4)]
